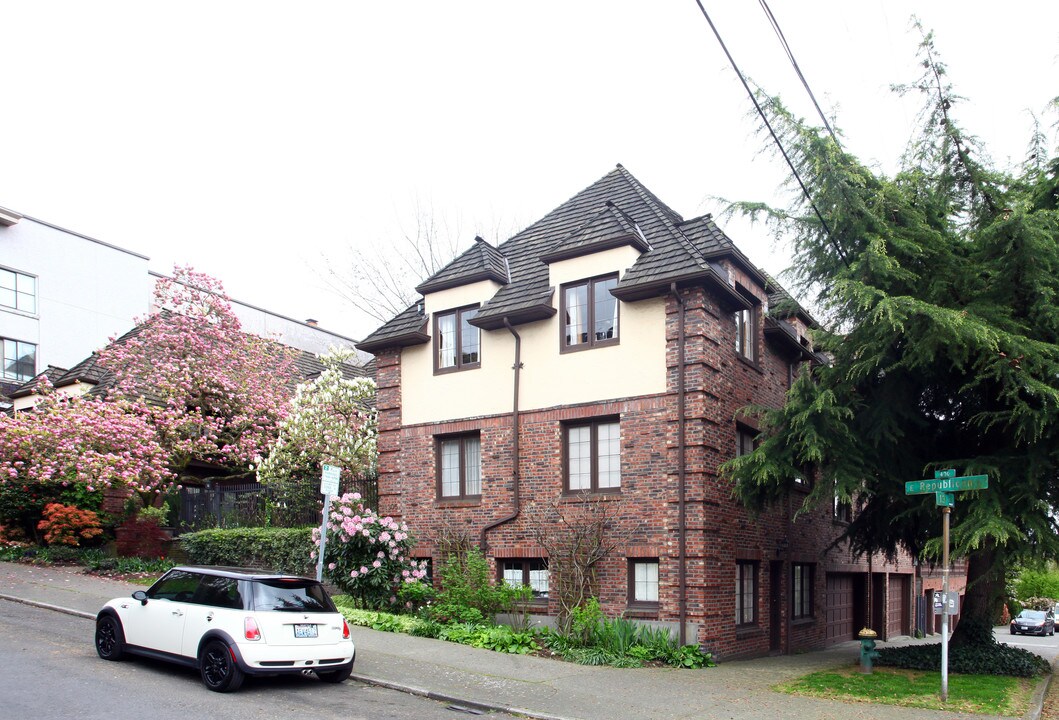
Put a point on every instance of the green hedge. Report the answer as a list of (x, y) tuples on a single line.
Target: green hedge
[(280, 549), (996, 659)]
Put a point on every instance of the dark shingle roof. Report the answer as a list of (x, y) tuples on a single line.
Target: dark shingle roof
[(408, 328), (30, 386), (90, 371), (481, 262), (615, 210), (782, 304)]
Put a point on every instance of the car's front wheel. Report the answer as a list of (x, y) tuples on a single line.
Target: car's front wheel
[(110, 638), (218, 668), (335, 676)]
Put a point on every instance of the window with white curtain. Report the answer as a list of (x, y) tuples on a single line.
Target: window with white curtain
[(459, 466), (589, 314), (457, 343), (593, 457)]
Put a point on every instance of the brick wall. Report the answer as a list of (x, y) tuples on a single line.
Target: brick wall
[(645, 513)]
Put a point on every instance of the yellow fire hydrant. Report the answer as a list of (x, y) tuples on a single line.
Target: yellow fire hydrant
[(868, 652)]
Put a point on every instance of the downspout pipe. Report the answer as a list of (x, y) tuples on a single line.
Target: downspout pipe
[(516, 457), (682, 579)]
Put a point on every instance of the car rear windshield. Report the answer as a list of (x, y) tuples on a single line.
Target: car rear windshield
[(292, 596)]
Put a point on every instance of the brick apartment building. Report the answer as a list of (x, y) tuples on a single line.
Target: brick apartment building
[(602, 354)]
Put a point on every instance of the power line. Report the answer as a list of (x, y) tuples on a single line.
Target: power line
[(794, 63), (772, 132)]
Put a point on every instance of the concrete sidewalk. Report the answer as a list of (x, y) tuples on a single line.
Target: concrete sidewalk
[(532, 686)]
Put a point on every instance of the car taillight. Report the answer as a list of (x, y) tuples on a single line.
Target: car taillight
[(345, 629), (250, 629)]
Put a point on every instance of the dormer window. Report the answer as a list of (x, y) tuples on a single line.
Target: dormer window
[(457, 343), (589, 314)]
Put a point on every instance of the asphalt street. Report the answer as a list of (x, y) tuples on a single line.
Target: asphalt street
[(50, 671)]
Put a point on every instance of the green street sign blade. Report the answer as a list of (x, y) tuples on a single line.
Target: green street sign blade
[(953, 484), (940, 474), (944, 499)]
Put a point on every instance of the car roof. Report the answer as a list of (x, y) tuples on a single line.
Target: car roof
[(239, 573)]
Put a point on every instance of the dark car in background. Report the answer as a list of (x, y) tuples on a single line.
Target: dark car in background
[(1033, 622)]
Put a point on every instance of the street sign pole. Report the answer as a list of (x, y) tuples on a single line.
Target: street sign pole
[(945, 512), (943, 487), (329, 487)]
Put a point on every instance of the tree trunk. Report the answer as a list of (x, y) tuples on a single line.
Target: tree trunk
[(981, 604)]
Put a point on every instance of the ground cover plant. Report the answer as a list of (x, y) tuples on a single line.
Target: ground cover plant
[(985, 694)]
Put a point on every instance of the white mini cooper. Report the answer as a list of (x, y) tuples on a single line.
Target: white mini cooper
[(229, 623)]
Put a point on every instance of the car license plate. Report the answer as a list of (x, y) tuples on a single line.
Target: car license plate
[(304, 631)]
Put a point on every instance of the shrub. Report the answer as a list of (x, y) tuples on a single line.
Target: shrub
[(468, 594), (367, 556), (68, 525), (995, 659), (280, 549)]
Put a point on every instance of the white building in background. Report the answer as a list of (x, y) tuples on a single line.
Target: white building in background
[(63, 295)]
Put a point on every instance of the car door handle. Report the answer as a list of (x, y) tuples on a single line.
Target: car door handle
[(178, 612)]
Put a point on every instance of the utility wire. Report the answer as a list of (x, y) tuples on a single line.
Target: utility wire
[(775, 137), (794, 63)]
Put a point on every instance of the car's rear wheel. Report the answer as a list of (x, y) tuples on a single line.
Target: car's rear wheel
[(335, 676), (110, 638), (218, 669)]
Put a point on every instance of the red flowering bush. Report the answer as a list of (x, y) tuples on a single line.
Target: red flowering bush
[(68, 525)]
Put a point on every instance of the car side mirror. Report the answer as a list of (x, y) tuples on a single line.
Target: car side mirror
[(141, 596)]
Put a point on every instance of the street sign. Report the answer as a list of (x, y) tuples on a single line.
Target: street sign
[(945, 499), (946, 603), (329, 481), (953, 484), (939, 474)]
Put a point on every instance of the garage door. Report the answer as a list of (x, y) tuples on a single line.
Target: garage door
[(898, 618), (839, 608)]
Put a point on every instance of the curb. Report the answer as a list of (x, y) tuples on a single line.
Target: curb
[(456, 703), (46, 606)]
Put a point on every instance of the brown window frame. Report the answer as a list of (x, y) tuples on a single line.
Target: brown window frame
[(632, 600), (802, 593), (747, 327), (593, 458), (527, 566), (744, 433), (741, 607), (439, 440), (460, 365), (590, 320), (843, 511)]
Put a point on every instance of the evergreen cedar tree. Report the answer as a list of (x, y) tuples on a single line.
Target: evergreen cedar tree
[(940, 288)]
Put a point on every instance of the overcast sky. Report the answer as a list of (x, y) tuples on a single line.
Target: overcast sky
[(263, 141)]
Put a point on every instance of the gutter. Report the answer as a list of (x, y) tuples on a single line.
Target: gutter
[(516, 456), (682, 580)]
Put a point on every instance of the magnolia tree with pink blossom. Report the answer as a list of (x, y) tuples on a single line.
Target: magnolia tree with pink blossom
[(367, 556), (215, 394), (69, 449)]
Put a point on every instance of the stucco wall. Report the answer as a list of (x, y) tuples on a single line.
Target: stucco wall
[(633, 367)]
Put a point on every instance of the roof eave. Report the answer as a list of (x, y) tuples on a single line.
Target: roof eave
[(460, 280), (403, 340), (791, 343), (516, 317), (632, 239), (728, 295)]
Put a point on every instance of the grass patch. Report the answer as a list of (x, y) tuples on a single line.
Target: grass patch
[(984, 694)]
